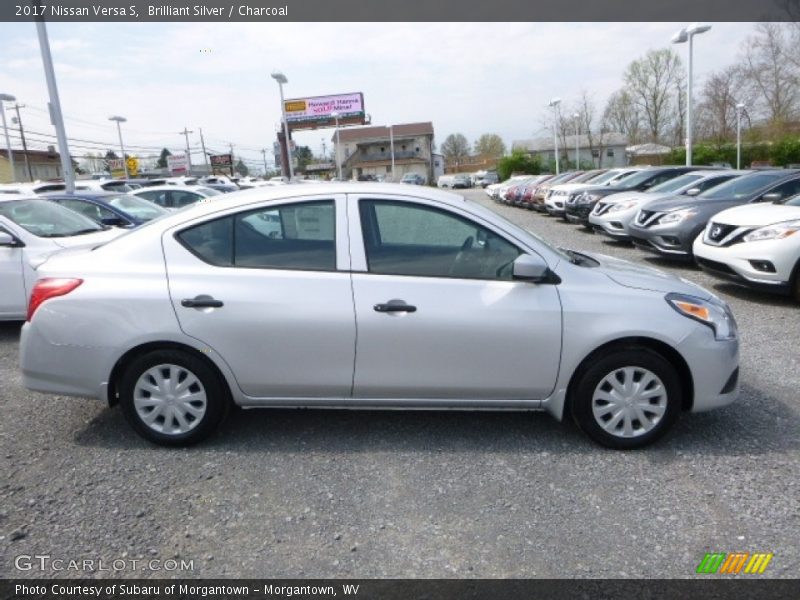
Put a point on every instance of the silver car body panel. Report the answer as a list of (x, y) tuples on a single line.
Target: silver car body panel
[(472, 343)]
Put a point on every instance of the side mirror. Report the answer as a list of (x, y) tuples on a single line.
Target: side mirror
[(8, 241), (693, 192), (528, 267), (772, 197)]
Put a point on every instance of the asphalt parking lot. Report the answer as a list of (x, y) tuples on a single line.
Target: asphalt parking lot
[(414, 494)]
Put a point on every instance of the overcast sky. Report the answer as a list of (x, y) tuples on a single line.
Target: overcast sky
[(471, 78)]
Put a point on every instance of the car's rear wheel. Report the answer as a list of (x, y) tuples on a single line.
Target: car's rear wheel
[(627, 399), (172, 398)]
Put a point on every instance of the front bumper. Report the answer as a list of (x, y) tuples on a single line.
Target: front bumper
[(578, 213), (715, 369), (738, 263), (665, 241)]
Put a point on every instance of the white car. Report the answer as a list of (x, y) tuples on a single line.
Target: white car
[(612, 214), (30, 230), (173, 197), (557, 195), (757, 245)]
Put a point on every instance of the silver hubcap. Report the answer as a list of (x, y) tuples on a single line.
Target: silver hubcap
[(629, 402), (169, 399)]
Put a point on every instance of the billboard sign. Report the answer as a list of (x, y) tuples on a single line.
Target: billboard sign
[(313, 112), (221, 160), (177, 164)]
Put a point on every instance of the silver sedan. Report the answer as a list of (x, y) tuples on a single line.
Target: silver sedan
[(371, 296)]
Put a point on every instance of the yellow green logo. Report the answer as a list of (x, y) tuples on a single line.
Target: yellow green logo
[(734, 563)]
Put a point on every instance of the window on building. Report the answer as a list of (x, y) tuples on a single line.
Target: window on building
[(610, 153)]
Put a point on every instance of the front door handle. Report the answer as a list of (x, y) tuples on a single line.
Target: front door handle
[(201, 301), (395, 306)]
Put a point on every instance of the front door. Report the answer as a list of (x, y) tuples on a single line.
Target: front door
[(13, 295), (439, 315)]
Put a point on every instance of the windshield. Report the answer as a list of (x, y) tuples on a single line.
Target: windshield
[(623, 178), (604, 178), (117, 187), (673, 185), (793, 201), (742, 187), (47, 219), (209, 191), (137, 207), (635, 178)]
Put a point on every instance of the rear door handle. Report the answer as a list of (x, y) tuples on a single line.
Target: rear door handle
[(202, 301), (395, 306)]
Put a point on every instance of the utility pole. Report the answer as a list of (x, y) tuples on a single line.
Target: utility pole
[(56, 118), (324, 148), (24, 144), (186, 133), (264, 153), (205, 154)]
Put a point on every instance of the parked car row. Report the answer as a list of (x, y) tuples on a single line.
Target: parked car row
[(737, 225), (468, 180)]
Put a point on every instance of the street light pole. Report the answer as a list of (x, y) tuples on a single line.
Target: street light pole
[(739, 109), (577, 142), (391, 147), (554, 105), (281, 79), (684, 35), (119, 120), (8, 98), (335, 116)]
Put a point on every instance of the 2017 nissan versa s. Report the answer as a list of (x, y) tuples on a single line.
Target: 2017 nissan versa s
[(371, 296)]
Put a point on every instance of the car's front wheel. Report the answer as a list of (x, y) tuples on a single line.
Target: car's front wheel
[(627, 399), (172, 398)]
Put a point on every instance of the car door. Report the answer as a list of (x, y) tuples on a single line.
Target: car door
[(13, 295), (439, 316), (275, 304)]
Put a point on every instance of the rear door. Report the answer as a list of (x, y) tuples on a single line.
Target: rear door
[(268, 288)]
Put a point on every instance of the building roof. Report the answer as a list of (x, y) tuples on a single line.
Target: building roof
[(648, 149), (545, 144), (381, 132), (34, 155)]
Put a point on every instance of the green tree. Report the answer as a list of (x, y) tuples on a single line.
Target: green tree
[(162, 159), (304, 157), (519, 162), (490, 144), (241, 168)]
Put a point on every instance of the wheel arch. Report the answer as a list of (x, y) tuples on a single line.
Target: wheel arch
[(668, 352), (133, 353)]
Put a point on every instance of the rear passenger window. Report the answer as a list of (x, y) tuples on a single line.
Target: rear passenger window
[(297, 236)]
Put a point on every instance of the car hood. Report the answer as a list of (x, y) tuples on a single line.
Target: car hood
[(678, 202), (641, 277), (570, 187), (758, 215)]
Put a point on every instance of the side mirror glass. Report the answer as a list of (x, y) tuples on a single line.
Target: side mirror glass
[(528, 267), (693, 192), (772, 197)]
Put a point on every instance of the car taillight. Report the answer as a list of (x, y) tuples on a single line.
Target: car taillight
[(50, 287)]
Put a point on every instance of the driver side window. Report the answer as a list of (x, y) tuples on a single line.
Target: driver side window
[(401, 238)]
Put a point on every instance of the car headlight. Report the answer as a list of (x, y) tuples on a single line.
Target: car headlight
[(713, 313), (773, 232), (676, 216), (623, 205), (587, 198)]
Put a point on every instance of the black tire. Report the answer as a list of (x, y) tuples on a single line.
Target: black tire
[(216, 396), (795, 283), (588, 380)]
